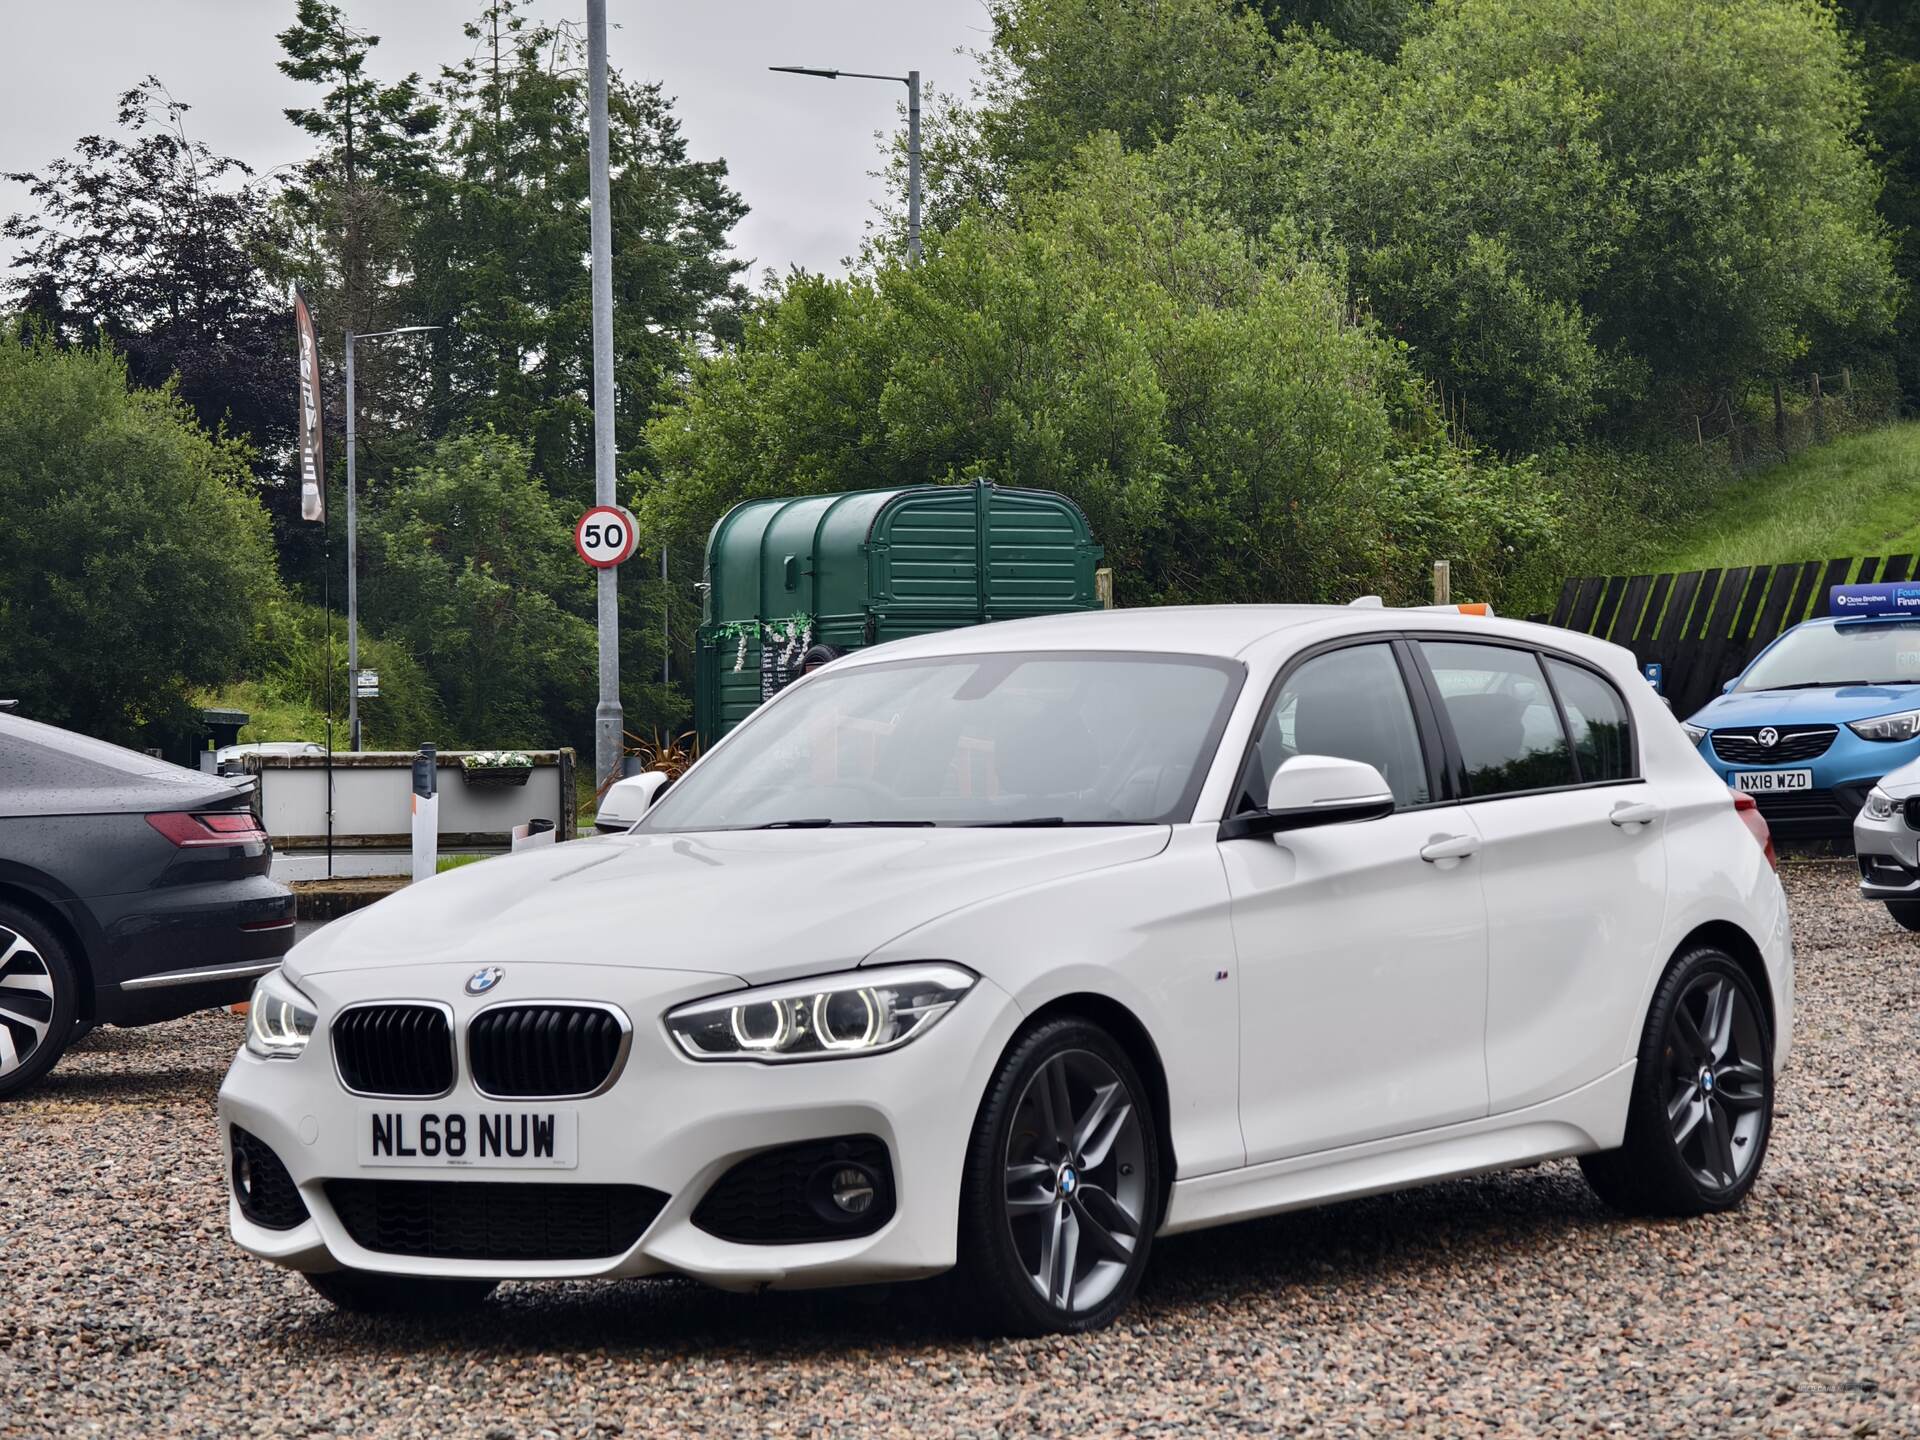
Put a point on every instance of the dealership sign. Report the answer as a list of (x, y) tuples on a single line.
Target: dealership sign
[(604, 536), (1900, 598), (313, 484)]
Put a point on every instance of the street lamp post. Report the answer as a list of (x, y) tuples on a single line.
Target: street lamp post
[(353, 514), (912, 81), (609, 720)]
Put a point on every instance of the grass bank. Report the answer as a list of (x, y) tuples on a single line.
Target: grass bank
[(1859, 495)]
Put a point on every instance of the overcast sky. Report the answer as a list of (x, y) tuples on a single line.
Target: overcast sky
[(799, 150)]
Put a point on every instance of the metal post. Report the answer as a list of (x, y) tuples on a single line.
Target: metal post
[(913, 167), (608, 721), (666, 621), (353, 574)]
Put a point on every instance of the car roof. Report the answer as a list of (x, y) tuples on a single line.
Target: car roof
[(1224, 631)]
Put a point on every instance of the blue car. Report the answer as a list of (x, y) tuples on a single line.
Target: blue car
[(1822, 713)]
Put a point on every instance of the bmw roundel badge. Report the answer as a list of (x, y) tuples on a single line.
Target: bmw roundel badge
[(484, 979)]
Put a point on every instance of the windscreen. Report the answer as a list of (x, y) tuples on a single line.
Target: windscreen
[(1856, 652), (1004, 739)]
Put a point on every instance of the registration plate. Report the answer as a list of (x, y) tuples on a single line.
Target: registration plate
[(1772, 782), (489, 1139)]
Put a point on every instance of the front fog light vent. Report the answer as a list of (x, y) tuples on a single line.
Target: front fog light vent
[(265, 1191), (817, 1190)]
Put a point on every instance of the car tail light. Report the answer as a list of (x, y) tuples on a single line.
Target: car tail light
[(1748, 809), (190, 829)]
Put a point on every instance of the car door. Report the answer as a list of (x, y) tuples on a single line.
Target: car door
[(1362, 947), (1572, 858)]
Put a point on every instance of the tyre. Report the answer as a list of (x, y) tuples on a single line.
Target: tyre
[(1701, 1109), (39, 994), (1061, 1193), (1906, 913), (363, 1292)]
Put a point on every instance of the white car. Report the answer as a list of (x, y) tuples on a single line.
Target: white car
[(1011, 948), (1886, 840)]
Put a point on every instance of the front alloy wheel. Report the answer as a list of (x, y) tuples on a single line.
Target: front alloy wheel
[(1062, 1189)]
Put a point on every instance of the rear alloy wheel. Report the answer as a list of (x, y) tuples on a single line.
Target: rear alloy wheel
[(37, 999), (364, 1292), (1702, 1105), (1063, 1184), (1905, 913)]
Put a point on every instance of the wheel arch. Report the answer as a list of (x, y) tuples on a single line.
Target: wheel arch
[(1727, 936), (1132, 1037), (12, 892)]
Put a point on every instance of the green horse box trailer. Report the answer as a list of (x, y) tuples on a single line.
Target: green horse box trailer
[(866, 566)]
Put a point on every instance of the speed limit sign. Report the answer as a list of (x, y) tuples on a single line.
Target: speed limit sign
[(604, 537)]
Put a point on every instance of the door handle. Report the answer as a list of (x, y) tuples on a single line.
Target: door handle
[(1449, 847), (1631, 812)]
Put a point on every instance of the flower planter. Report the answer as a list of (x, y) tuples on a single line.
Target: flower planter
[(496, 777)]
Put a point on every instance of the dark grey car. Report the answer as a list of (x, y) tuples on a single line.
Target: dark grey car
[(131, 891)]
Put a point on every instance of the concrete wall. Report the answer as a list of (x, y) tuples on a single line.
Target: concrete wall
[(373, 799)]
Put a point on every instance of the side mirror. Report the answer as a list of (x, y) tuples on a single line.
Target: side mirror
[(1313, 790), (627, 800), (1727, 689)]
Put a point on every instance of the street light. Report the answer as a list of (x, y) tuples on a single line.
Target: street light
[(912, 81), (353, 575)]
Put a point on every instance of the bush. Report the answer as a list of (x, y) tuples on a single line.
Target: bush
[(133, 559)]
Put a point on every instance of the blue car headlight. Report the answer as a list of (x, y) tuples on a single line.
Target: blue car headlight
[(1695, 733), (1904, 726)]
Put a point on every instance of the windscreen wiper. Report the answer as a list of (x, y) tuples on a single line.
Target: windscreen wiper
[(822, 823)]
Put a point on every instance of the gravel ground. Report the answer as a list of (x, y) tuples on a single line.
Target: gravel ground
[(1505, 1306)]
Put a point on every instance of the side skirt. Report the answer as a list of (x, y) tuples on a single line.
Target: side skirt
[(1593, 1117)]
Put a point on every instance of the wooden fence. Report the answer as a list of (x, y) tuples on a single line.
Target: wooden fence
[(1702, 627)]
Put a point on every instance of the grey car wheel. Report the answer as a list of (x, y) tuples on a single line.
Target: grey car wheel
[(1062, 1192), (1701, 1109)]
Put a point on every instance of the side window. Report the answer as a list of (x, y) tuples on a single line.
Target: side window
[(1347, 703), (1503, 716), (1597, 716)]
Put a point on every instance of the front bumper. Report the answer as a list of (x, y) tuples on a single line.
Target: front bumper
[(1889, 854), (667, 1123)]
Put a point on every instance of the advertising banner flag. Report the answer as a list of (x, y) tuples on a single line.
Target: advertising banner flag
[(313, 474)]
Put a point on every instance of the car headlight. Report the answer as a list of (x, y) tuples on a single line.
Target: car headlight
[(280, 1019), (858, 1013), (1903, 726), (1695, 733), (1880, 805)]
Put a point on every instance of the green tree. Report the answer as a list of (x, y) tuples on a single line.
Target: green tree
[(1232, 428), (476, 577), (503, 248), (154, 242), (1733, 136), (1889, 33), (358, 194), (133, 555)]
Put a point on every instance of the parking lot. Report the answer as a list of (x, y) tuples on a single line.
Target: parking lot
[(1508, 1305)]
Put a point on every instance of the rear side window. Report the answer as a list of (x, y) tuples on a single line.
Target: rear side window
[(1503, 716), (1597, 716)]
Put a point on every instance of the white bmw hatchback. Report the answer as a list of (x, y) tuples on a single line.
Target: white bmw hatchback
[(1012, 948)]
